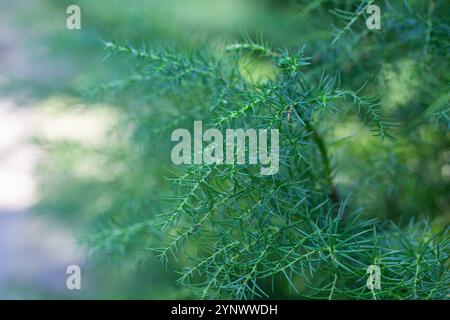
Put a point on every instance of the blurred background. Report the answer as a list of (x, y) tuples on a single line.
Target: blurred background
[(66, 160), (51, 141)]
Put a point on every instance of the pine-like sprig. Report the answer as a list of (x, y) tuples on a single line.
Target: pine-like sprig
[(242, 235)]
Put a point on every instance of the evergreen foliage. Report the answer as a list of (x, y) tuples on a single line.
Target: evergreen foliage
[(305, 232)]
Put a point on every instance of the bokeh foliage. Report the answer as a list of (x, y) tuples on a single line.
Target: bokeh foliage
[(364, 119)]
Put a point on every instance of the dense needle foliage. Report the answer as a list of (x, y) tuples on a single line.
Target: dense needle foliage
[(244, 233), (311, 230)]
